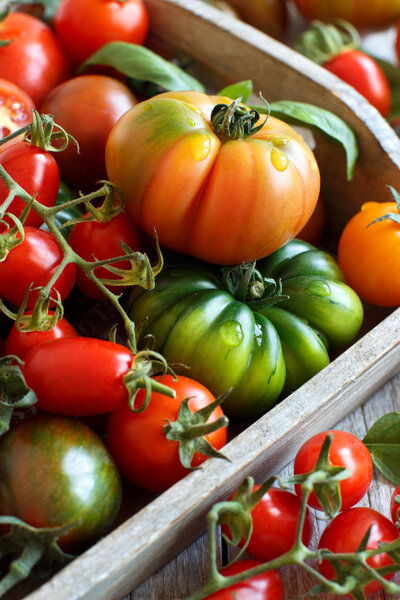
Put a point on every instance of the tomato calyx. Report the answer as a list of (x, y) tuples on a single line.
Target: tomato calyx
[(235, 121), (14, 392), (43, 131), (390, 216), (190, 428), (322, 42), (11, 238), (245, 283), (33, 548), (38, 319)]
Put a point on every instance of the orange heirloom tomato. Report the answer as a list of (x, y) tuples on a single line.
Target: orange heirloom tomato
[(361, 13), (226, 197), (369, 255)]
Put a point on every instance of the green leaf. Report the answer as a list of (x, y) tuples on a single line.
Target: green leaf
[(323, 121), (383, 442), (139, 62), (241, 89)]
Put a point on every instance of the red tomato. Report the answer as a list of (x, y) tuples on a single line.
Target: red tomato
[(19, 342), (346, 451), (102, 240), (36, 171), (109, 20), (345, 533), (275, 521), (365, 75), (266, 586), (34, 261), (370, 256), (33, 59), (87, 107), (15, 108), (138, 443), (394, 506), (78, 376)]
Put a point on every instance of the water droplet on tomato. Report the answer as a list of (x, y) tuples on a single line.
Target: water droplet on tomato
[(231, 333), (279, 159), (200, 145), (191, 122), (319, 288)]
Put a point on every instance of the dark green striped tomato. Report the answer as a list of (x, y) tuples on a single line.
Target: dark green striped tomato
[(55, 471), (230, 338)]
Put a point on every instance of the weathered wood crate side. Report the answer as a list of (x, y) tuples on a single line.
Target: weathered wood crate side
[(147, 540)]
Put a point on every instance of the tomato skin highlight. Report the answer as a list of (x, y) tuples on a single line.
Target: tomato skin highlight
[(46, 463), (78, 376), (266, 586), (346, 531), (138, 444), (346, 451), (20, 342)]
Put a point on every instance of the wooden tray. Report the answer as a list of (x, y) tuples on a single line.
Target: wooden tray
[(225, 51)]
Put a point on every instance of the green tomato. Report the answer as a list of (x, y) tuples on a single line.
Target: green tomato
[(263, 339)]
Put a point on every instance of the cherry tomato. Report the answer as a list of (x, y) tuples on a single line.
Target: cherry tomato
[(346, 451), (110, 20), (20, 342), (87, 107), (36, 171), (275, 521), (102, 240), (395, 506), (266, 586), (369, 255), (345, 533), (33, 59), (137, 441), (15, 108), (34, 261)]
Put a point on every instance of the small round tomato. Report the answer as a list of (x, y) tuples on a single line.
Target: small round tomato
[(395, 506), (275, 520), (20, 342), (266, 586), (102, 240), (56, 471), (346, 451), (139, 445), (345, 533), (36, 171), (110, 20), (87, 107), (34, 261), (369, 254), (15, 108), (33, 58)]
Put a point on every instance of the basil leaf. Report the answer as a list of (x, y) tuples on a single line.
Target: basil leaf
[(241, 89), (139, 62), (324, 121), (393, 76), (383, 442)]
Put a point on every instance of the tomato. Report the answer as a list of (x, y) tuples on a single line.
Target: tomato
[(245, 343), (34, 261), (362, 14), (78, 376), (370, 255), (275, 520), (102, 240), (110, 20), (394, 506), (345, 533), (57, 470), (36, 171), (268, 15), (20, 342), (313, 229), (220, 199), (346, 451), (87, 107), (138, 443), (33, 59), (266, 586), (15, 108)]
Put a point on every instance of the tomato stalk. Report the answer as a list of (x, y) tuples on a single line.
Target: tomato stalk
[(322, 41), (235, 121), (14, 392)]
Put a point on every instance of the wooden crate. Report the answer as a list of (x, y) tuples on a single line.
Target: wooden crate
[(224, 51)]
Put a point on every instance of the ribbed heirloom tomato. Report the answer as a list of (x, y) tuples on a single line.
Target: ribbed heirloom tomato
[(208, 180), (359, 12)]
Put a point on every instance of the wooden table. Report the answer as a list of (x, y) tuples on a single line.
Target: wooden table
[(189, 570)]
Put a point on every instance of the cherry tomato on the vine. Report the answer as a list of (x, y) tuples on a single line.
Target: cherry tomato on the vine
[(15, 108), (110, 20), (102, 241), (395, 506), (34, 261), (33, 58), (138, 443), (345, 533), (346, 451), (266, 586)]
